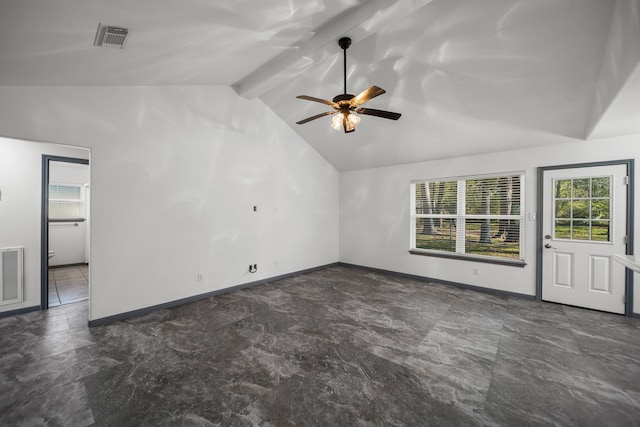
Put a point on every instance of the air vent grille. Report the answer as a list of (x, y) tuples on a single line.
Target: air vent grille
[(11, 284), (110, 36)]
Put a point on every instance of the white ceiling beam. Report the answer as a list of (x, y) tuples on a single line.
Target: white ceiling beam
[(357, 23)]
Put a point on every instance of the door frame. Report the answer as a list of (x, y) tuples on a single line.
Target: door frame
[(44, 224), (629, 163)]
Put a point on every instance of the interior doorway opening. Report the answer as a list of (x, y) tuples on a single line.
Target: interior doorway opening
[(65, 230)]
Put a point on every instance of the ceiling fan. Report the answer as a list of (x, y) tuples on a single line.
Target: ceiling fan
[(346, 105)]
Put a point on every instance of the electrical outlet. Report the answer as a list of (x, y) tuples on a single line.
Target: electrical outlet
[(253, 268), (200, 277)]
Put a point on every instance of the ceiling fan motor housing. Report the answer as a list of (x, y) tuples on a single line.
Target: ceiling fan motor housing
[(343, 97)]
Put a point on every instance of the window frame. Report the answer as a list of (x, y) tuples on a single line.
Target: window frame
[(79, 201), (461, 218), (590, 198)]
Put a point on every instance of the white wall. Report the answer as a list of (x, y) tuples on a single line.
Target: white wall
[(374, 212), (68, 240), (175, 173), (20, 205)]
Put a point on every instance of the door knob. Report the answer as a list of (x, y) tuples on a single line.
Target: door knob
[(548, 246)]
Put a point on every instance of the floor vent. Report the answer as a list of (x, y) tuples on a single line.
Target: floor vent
[(110, 36), (11, 260)]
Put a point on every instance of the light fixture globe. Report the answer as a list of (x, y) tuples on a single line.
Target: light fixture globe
[(336, 121), (347, 121), (351, 122)]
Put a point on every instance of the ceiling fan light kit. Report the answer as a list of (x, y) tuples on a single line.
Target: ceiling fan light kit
[(345, 106), (348, 122)]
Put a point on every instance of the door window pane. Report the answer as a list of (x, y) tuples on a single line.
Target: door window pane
[(600, 231), (563, 188), (586, 203), (580, 188), (580, 230), (600, 209), (563, 209), (580, 209), (562, 229), (600, 187)]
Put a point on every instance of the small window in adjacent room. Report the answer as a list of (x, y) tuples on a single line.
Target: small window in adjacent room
[(472, 217), (65, 202)]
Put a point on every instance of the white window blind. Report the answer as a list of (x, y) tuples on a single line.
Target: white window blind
[(65, 202), (480, 215)]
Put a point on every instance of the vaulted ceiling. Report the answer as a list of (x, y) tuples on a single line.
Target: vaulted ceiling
[(468, 76)]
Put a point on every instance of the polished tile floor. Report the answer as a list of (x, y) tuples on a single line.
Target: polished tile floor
[(68, 284), (337, 347)]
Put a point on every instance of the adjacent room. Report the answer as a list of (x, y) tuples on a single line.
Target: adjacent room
[(327, 212), (68, 239)]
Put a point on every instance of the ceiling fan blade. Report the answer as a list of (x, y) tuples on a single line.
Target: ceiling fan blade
[(317, 116), (320, 100), (368, 94), (379, 113)]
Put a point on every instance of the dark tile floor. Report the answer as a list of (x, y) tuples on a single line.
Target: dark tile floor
[(68, 284), (339, 346)]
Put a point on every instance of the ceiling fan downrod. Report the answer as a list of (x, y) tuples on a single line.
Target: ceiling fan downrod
[(344, 43)]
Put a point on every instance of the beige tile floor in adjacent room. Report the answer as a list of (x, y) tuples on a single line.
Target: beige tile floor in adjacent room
[(68, 284)]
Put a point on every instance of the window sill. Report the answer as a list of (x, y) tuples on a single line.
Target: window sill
[(66, 220), (474, 258)]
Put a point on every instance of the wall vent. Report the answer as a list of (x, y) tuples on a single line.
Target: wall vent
[(11, 260), (110, 36)]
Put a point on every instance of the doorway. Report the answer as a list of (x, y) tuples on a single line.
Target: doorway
[(65, 230), (585, 218)]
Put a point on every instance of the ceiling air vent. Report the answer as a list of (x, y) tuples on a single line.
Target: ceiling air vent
[(110, 36)]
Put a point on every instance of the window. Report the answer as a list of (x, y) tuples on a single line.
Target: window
[(65, 202), (581, 208), (470, 217)]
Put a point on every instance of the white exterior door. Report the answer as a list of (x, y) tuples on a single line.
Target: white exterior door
[(584, 224)]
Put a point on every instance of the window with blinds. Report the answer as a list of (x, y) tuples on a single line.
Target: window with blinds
[(480, 216), (65, 202)]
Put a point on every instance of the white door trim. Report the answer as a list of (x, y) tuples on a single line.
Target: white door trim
[(629, 226)]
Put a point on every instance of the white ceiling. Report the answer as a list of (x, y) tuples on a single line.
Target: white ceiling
[(468, 76), (186, 42)]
